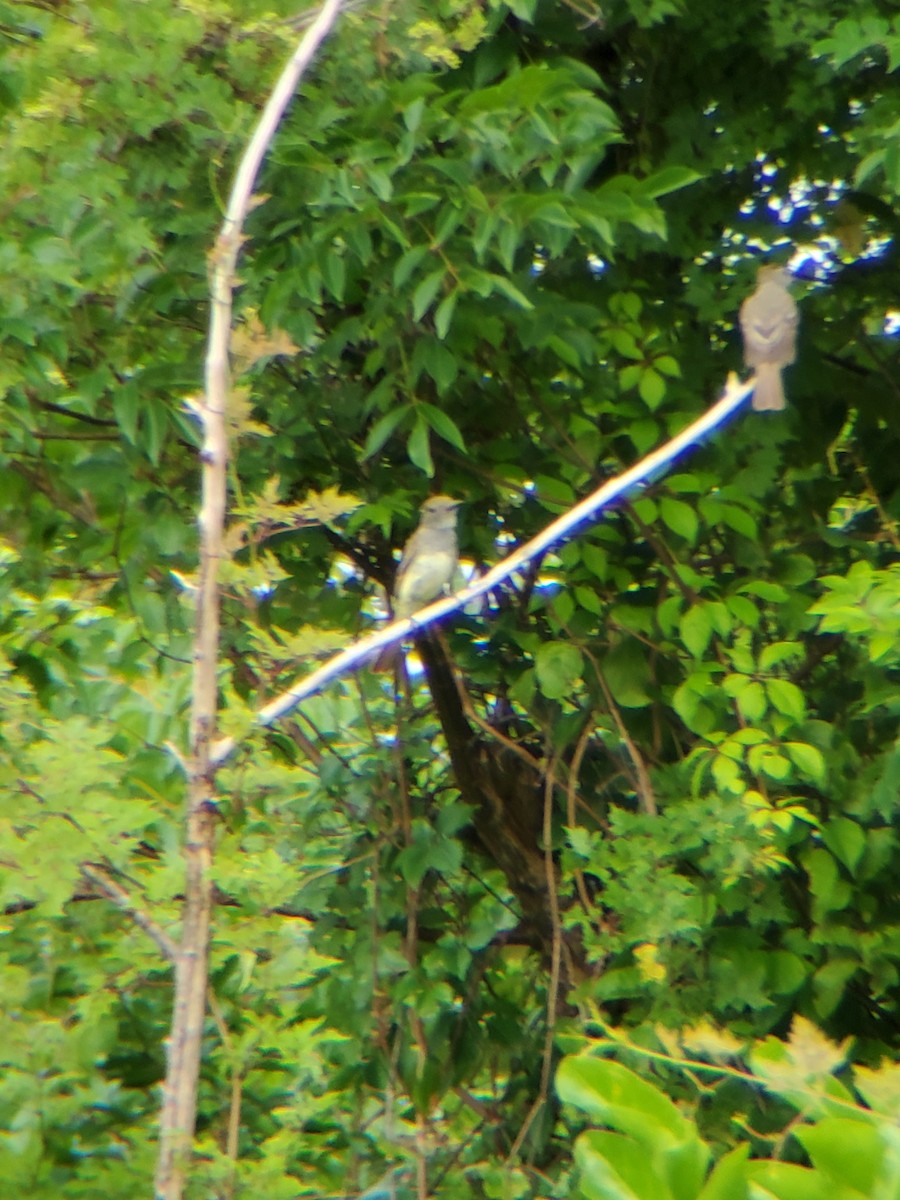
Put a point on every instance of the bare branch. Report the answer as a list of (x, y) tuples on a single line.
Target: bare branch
[(117, 894), (178, 1116)]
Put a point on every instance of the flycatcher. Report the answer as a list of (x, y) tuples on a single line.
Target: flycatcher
[(427, 565), (769, 325)]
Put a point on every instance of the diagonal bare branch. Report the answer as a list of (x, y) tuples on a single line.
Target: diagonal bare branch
[(641, 473)]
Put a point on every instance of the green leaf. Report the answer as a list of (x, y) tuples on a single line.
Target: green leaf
[(554, 491), (413, 113), (785, 972), (524, 10), (127, 409), (652, 388), (614, 1095), (443, 314), (772, 592), (847, 1151), (766, 761), (612, 1166), (380, 183), (845, 840), (630, 376), (668, 366), (418, 446), (407, 263), (449, 221), (442, 424), (728, 775), (628, 674), (830, 981), (787, 1181), (738, 519), (696, 629), (644, 434), (625, 343), (429, 852), (777, 653), (425, 293), (880, 1088), (728, 1180), (156, 424), (334, 273), (667, 180), (508, 289), (751, 700), (563, 609), (439, 362), (508, 245), (558, 667), (787, 698), (808, 759), (680, 518), (596, 562), (744, 610), (830, 891), (382, 430), (588, 599)]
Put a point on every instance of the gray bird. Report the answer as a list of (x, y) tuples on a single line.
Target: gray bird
[(427, 565), (769, 325)]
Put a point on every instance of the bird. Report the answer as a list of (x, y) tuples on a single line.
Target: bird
[(769, 325), (427, 565)]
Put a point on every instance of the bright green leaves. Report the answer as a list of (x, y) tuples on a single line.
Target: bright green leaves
[(850, 1154), (865, 606), (738, 760), (611, 1094), (653, 1151)]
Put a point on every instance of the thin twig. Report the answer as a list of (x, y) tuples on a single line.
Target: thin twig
[(555, 963), (571, 792), (644, 787), (121, 899)]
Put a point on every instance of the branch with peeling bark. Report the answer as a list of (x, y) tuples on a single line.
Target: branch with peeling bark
[(178, 1116)]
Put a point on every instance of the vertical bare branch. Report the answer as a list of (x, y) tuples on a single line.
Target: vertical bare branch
[(178, 1116)]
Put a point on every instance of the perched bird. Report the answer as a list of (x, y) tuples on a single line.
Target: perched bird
[(769, 326), (427, 565)]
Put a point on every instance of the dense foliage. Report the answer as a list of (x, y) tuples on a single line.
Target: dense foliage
[(499, 252)]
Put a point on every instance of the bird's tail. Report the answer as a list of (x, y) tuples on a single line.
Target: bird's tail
[(768, 395)]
